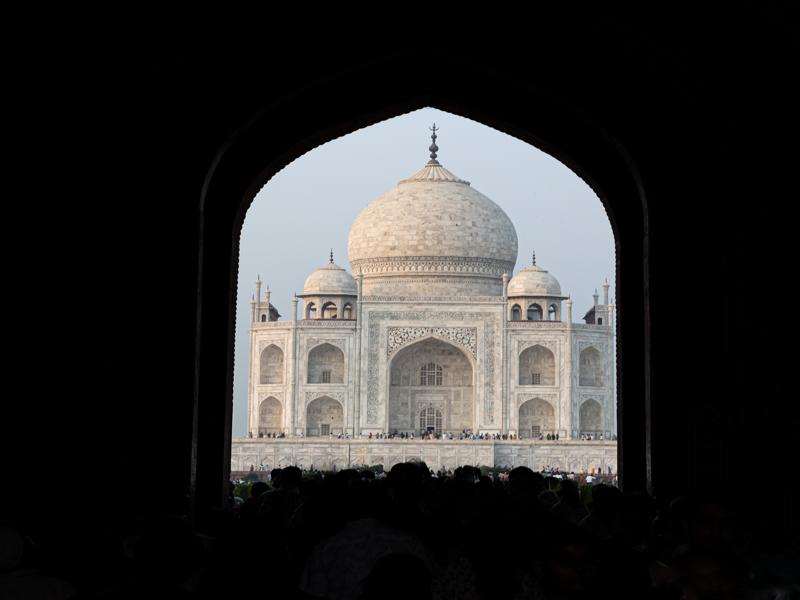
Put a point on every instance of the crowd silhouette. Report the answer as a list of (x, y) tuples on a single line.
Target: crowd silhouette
[(413, 534)]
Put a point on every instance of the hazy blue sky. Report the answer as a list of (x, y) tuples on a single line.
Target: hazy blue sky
[(307, 209)]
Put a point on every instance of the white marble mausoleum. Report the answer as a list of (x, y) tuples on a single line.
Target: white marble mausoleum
[(431, 331)]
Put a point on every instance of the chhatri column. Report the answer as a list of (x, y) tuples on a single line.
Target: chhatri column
[(565, 419)]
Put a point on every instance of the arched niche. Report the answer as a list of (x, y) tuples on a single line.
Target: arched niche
[(271, 365), (270, 415), (591, 417), (537, 366), (324, 416), (536, 416), (325, 364), (590, 367)]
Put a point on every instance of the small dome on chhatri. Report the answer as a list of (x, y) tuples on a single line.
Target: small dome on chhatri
[(330, 280), (534, 281)]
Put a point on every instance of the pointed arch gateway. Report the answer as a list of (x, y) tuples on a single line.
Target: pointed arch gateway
[(431, 388)]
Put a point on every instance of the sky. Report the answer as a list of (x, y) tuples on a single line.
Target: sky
[(307, 208)]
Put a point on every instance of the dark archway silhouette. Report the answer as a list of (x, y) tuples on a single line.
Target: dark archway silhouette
[(250, 158), (702, 105)]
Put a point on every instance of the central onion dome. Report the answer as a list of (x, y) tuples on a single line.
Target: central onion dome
[(433, 235)]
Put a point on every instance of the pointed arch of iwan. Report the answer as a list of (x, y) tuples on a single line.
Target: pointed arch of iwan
[(455, 397)]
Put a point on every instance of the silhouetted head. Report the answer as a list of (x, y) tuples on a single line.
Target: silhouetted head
[(291, 477), (258, 488), (569, 493), (467, 474), (522, 480), (405, 482), (275, 477)]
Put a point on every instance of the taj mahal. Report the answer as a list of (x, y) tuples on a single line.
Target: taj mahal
[(429, 342)]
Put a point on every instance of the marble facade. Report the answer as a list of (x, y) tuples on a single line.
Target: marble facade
[(431, 334)]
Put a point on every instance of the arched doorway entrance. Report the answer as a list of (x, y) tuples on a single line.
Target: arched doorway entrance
[(431, 389)]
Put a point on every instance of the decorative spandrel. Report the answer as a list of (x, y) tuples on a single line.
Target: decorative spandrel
[(466, 337)]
